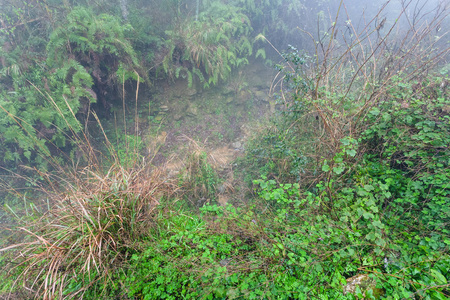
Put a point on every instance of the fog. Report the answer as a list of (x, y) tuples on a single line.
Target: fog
[(374, 18), (215, 149)]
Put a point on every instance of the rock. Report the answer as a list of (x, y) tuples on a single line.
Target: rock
[(223, 200), (155, 143), (177, 117), (225, 262), (221, 188), (192, 110), (259, 82), (228, 89), (236, 145), (164, 108), (264, 84), (191, 92), (246, 130), (365, 283), (261, 96), (244, 96)]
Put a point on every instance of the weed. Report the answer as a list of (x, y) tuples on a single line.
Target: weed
[(199, 179), (128, 149)]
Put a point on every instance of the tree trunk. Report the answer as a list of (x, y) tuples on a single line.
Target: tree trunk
[(196, 10), (123, 7)]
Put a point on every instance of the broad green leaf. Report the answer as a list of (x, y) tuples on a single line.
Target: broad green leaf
[(438, 276), (339, 169)]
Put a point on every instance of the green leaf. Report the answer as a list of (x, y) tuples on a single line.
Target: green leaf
[(438, 276), (368, 215), (369, 187), (351, 152), (374, 111), (377, 224), (27, 154), (261, 52), (339, 169)]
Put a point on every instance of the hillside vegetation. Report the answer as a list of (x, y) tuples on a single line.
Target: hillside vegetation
[(340, 192)]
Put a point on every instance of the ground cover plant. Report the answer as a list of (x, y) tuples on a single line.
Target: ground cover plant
[(348, 183)]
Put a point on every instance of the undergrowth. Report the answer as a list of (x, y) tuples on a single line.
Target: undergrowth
[(350, 183)]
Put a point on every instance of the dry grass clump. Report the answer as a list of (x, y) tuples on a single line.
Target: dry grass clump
[(92, 228)]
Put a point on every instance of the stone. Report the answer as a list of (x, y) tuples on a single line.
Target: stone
[(365, 283), (227, 91), (244, 96), (236, 145), (225, 262), (229, 100), (164, 108), (177, 117), (261, 96), (192, 110), (191, 92), (222, 200)]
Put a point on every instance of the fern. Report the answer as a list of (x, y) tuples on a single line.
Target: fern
[(177, 72), (33, 115), (189, 76), (212, 44), (90, 38), (261, 52)]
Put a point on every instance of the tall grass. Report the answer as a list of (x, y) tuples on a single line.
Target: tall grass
[(93, 227), (93, 222)]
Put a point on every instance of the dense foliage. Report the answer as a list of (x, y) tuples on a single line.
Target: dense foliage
[(43, 95), (75, 56), (347, 182), (210, 46)]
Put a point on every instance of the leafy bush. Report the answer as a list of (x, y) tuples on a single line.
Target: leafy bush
[(277, 153), (236, 256), (409, 136), (34, 121), (378, 207)]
